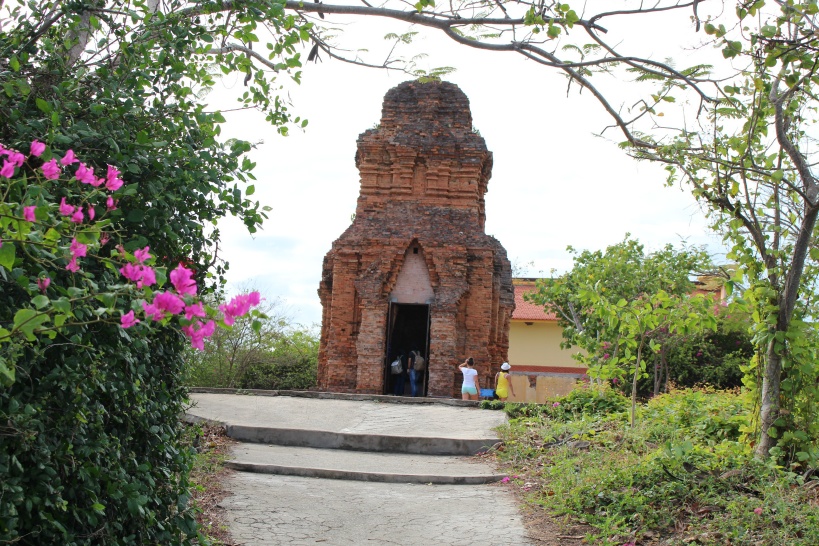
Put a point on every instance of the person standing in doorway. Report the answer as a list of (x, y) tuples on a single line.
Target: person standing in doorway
[(502, 384), (416, 371), (400, 378), (471, 387)]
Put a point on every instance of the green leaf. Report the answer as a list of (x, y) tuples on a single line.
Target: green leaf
[(62, 305), (39, 301), (27, 320), (250, 190), (7, 255), (43, 105)]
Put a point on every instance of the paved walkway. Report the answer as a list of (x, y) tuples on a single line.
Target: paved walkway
[(395, 488), (286, 510)]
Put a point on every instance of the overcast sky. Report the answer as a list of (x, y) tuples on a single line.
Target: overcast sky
[(554, 182)]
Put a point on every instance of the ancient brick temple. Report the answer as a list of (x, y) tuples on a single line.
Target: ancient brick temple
[(415, 270)]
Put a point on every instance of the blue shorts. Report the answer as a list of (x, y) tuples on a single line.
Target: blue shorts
[(469, 390)]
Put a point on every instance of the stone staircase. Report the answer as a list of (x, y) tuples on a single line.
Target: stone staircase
[(377, 439)]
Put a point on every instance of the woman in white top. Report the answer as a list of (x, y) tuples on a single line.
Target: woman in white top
[(470, 388)]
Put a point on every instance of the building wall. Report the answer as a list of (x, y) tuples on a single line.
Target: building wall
[(540, 368), (538, 344)]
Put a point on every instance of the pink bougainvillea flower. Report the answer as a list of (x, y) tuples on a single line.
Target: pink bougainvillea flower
[(85, 174), (91, 212), (142, 275), (69, 158), (8, 169), (110, 203), (77, 249), (42, 283), (606, 355), (142, 254), (78, 216), (72, 265), (28, 213), (758, 511), (167, 301), (254, 298), (51, 170), (131, 272), (505, 479), (65, 208), (556, 405), (239, 306), (197, 333), (113, 182), (151, 311), (37, 148), (3, 150), (148, 277), (104, 239), (17, 158), (194, 310), (615, 381), (182, 280), (127, 320)]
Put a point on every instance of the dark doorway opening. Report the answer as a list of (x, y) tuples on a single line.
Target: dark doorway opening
[(407, 330)]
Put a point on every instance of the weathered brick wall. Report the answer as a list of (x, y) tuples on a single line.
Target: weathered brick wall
[(424, 174)]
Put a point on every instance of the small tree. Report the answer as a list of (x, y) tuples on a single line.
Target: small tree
[(229, 353), (622, 305)]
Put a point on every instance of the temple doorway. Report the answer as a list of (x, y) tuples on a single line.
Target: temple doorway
[(407, 330)]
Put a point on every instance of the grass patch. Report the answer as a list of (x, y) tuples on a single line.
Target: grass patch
[(683, 475), (207, 477)]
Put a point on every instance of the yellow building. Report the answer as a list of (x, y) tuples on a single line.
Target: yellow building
[(540, 368)]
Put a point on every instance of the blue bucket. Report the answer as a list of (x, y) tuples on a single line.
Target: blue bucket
[(487, 393)]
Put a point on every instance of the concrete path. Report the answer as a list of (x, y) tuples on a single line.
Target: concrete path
[(368, 425), (286, 510), (356, 471)]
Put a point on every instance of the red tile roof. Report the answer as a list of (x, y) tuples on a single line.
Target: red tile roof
[(525, 310)]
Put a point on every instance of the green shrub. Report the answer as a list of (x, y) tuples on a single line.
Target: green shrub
[(681, 476), (586, 399), (91, 451)]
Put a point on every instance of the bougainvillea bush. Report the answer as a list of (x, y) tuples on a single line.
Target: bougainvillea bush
[(90, 449), (68, 259)]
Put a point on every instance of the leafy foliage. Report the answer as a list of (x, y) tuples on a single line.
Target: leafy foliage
[(683, 475), (277, 354), (91, 450), (623, 305)]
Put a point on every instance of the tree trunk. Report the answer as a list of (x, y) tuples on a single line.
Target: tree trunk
[(769, 404), (634, 382)]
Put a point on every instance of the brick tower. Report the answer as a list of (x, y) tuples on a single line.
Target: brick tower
[(416, 270)]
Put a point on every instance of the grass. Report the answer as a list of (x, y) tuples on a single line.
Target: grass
[(683, 476), (207, 476)]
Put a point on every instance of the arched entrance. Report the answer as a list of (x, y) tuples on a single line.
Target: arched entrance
[(407, 330)]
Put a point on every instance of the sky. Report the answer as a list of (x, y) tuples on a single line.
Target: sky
[(555, 181)]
